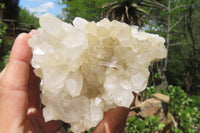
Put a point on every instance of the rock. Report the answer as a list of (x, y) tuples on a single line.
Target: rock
[(158, 105), (163, 98), (88, 68), (151, 107)]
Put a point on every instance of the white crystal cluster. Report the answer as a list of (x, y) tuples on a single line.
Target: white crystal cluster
[(88, 68)]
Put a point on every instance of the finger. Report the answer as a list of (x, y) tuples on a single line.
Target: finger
[(47, 127), (53, 126), (34, 90), (18, 66), (113, 122), (13, 91), (33, 114), (34, 32), (34, 85)]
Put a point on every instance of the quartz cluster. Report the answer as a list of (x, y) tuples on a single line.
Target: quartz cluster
[(88, 68)]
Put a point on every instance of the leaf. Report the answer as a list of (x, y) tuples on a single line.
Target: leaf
[(147, 130), (161, 125)]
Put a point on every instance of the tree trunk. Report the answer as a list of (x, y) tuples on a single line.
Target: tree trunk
[(164, 83)]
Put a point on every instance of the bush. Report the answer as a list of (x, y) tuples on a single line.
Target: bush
[(149, 125), (5, 45), (27, 18), (185, 110)]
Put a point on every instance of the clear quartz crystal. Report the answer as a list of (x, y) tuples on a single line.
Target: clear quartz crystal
[(88, 68)]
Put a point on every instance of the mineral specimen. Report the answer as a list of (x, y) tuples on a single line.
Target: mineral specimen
[(88, 68)]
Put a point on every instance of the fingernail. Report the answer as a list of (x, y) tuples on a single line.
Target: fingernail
[(31, 111)]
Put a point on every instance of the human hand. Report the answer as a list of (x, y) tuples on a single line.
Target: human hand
[(20, 108)]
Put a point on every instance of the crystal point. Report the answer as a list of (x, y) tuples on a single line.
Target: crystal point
[(88, 68)]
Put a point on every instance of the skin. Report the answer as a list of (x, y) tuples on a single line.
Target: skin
[(20, 107)]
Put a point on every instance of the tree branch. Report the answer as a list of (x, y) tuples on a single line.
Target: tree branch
[(179, 43), (179, 7), (176, 23), (159, 4)]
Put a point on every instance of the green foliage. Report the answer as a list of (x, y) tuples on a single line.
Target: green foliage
[(2, 31), (177, 130), (27, 18), (131, 12), (5, 45), (68, 129), (5, 42), (128, 11), (184, 46), (90, 9), (91, 130), (149, 91), (4, 61), (133, 124), (2, 5), (185, 110), (150, 124), (157, 76), (178, 98)]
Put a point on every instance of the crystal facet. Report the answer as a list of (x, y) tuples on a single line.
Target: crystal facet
[(88, 68)]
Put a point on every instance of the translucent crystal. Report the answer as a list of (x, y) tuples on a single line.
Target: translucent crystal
[(88, 68), (74, 83)]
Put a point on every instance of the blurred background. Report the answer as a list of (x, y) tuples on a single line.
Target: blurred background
[(171, 102)]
